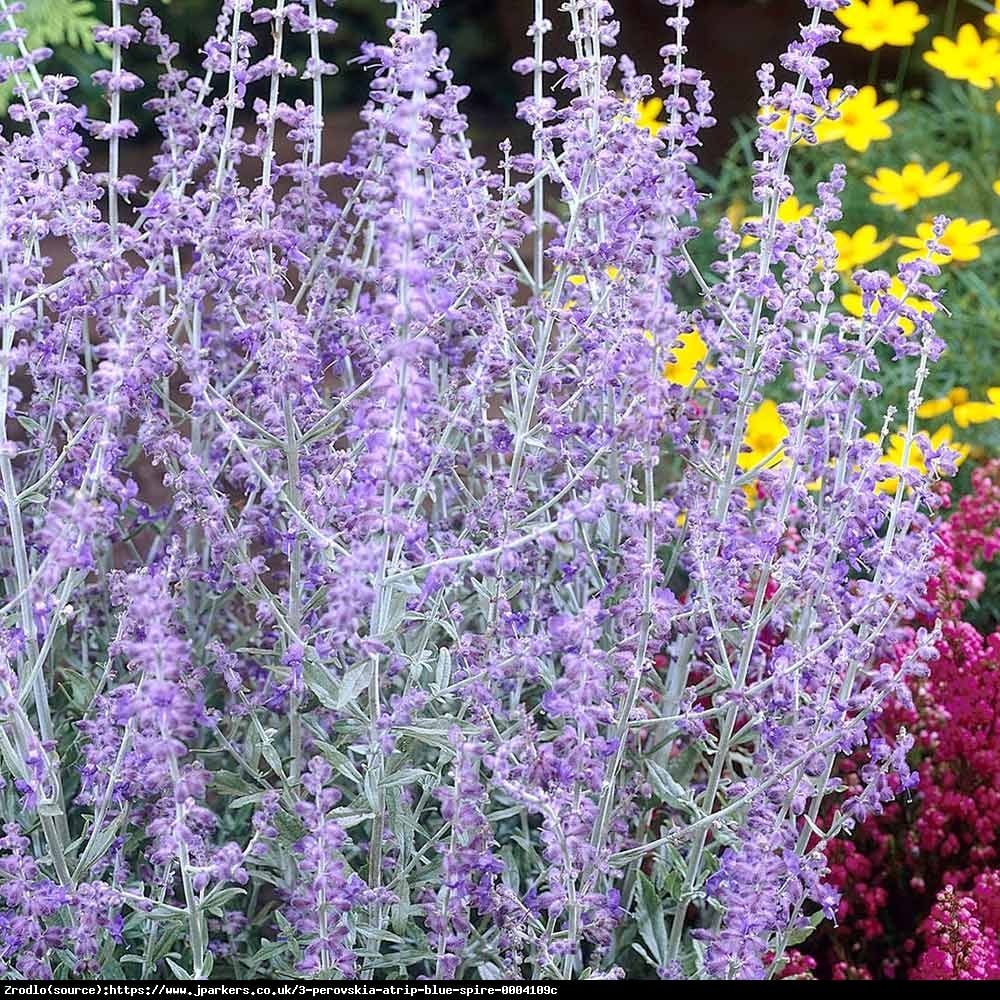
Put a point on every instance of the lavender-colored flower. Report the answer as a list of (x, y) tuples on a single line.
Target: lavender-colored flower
[(378, 598)]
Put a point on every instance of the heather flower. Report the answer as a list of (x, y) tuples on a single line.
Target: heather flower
[(919, 881), (958, 947)]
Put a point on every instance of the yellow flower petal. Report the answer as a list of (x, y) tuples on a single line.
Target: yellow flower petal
[(860, 121), (685, 357), (968, 57), (881, 22), (961, 237), (765, 432), (976, 412), (903, 189)]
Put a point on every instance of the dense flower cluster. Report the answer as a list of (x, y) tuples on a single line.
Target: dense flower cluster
[(933, 863), (379, 600)]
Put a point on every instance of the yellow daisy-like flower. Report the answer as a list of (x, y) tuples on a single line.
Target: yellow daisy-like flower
[(969, 57), (685, 357), (765, 432), (996, 186), (904, 189), (961, 237), (881, 22), (856, 249), (976, 411), (943, 404), (897, 447), (964, 410), (861, 122), (993, 20), (853, 303), (647, 115), (789, 211)]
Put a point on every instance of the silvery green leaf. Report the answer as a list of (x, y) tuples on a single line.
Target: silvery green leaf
[(319, 681), (442, 676), (652, 926), (340, 761), (405, 776), (178, 970), (353, 683)]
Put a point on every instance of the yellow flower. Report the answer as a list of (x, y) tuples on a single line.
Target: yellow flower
[(647, 114), (852, 302), (881, 22), (961, 237), (996, 186), (938, 407), (904, 189), (738, 210), (686, 355), (965, 411), (861, 121), (993, 20), (969, 57), (976, 412), (765, 432), (789, 211), (856, 249), (897, 447)]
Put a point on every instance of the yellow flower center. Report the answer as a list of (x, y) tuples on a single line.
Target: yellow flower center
[(766, 441)]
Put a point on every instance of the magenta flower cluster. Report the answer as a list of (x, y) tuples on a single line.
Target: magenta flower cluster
[(921, 881), (373, 604)]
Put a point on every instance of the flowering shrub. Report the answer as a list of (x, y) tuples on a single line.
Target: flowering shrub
[(918, 140), (921, 882), (393, 584)]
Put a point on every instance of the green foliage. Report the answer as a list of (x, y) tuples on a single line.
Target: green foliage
[(55, 24)]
